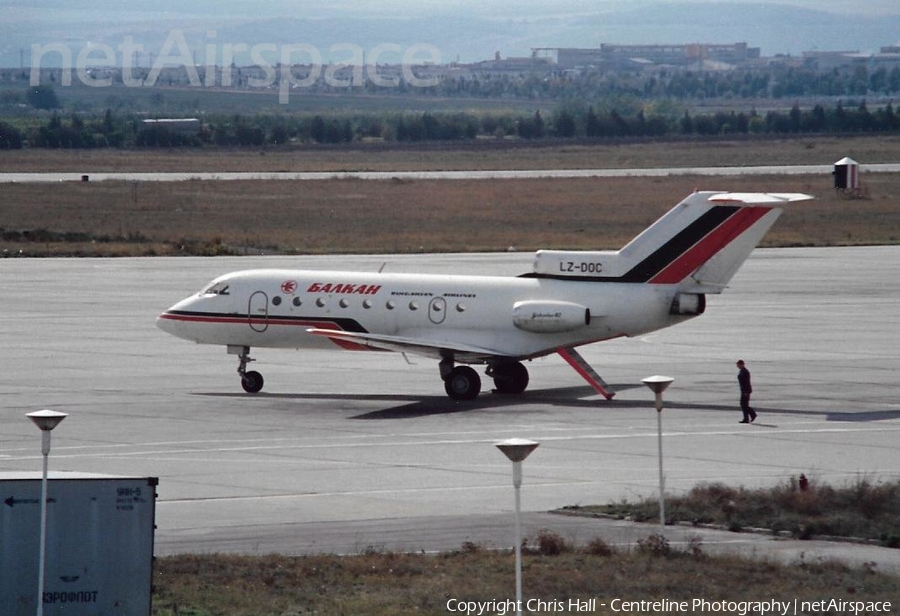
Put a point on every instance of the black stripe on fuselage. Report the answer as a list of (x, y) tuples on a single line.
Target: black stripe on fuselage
[(347, 325), (663, 256)]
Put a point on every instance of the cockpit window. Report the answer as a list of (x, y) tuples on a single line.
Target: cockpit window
[(217, 288)]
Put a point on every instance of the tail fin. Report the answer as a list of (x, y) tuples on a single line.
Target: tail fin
[(711, 249), (705, 238)]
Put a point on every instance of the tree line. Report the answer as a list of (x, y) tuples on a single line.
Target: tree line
[(568, 121), (680, 84), (770, 82)]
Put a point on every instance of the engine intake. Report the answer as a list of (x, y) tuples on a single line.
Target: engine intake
[(550, 317)]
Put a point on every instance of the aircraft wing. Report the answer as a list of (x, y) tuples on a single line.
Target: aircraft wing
[(430, 348)]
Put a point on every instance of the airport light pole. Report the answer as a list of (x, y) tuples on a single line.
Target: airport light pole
[(658, 385), (517, 449), (45, 420)]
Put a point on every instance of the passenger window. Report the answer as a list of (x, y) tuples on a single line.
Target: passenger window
[(297, 301), (460, 307), (276, 301), (390, 305), (367, 304), (343, 303), (320, 303), (413, 305)]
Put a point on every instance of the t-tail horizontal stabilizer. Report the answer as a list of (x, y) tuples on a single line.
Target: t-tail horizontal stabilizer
[(574, 359), (725, 250)]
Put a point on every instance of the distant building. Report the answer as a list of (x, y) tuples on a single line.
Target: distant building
[(528, 64), (635, 57), (571, 57), (868, 60), (175, 125), (827, 60), (824, 61)]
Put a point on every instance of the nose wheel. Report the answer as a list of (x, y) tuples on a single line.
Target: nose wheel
[(251, 380)]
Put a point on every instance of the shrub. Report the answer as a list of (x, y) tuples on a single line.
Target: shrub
[(10, 137), (551, 544), (599, 547), (655, 545)]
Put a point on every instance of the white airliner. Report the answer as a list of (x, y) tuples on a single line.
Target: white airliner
[(569, 299)]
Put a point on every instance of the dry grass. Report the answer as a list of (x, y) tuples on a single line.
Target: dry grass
[(388, 583), (356, 216), (483, 154), (341, 216), (803, 507), (554, 569)]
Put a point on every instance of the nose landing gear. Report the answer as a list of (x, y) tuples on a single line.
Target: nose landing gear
[(252, 381)]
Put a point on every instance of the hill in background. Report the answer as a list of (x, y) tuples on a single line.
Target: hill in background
[(467, 32)]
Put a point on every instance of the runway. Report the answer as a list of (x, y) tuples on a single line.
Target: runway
[(492, 174), (344, 451)]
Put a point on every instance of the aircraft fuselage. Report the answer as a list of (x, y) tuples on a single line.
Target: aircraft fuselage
[(516, 317), (570, 298)]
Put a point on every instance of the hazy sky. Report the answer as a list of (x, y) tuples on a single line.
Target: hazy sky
[(111, 9), (468, 30), (477, 7)]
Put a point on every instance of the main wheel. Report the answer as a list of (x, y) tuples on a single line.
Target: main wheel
[(510, 377), (463, 383), (252, 382)]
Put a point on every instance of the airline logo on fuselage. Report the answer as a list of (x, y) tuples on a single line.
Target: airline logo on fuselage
[(357, 289)]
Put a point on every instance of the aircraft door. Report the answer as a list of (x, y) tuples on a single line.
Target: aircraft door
[(258, 312), (437, 310)]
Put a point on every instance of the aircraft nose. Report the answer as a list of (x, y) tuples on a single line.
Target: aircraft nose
[(173, 320), (167, 322)]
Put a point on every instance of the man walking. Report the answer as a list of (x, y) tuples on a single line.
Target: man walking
[(746, 390)]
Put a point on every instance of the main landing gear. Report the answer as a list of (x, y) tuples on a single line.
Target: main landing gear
[(463, 383), (460, 382), (510, 377), (252, 381)]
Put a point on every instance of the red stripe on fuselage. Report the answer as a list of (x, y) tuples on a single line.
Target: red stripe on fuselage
[(200, 318), (244, 320), (706, 248)]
